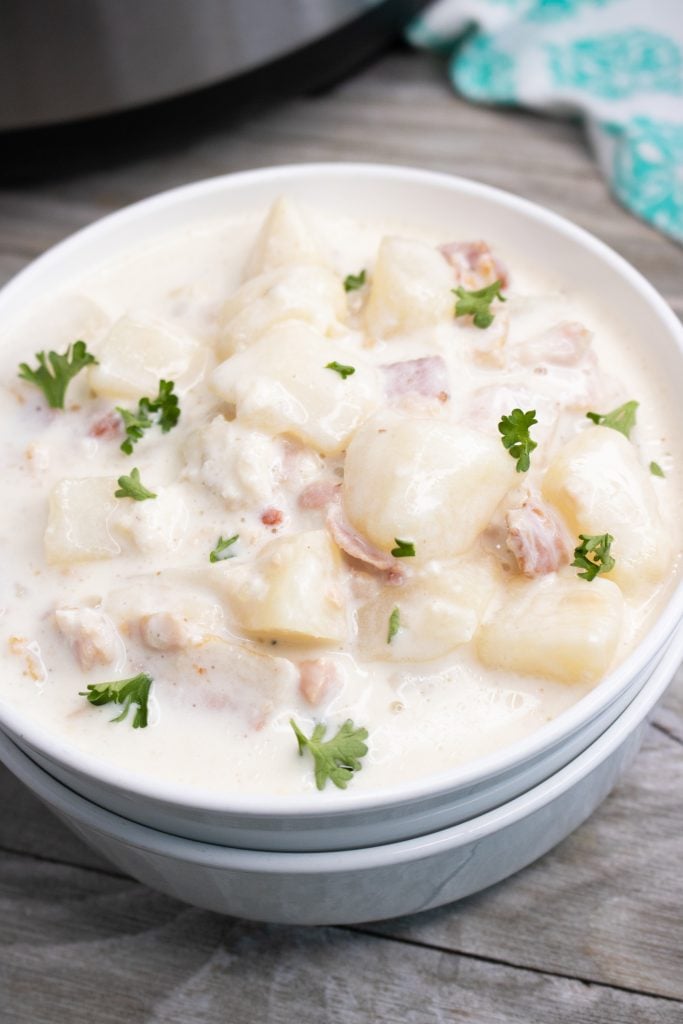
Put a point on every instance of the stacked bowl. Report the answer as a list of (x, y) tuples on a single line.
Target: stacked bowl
[(377, 853)]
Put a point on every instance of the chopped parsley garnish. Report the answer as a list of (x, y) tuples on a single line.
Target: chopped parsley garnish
[(53, 380), (123, 691), (132, 487), (222, 549), (352, 282), (514, 430), (622, 419), (403, 549), (337, 759), (478, 304), (164, 408), (656, 469), (593, 555), (394, 624), (343, 371)]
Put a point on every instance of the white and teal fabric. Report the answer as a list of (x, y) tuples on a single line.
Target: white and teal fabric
[(617, 63)]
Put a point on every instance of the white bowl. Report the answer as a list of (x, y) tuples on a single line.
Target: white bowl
[(452, 207), (349, 886)]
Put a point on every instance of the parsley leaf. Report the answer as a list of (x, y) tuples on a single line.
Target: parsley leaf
[(343, 371), (593, 556), (352, 282), (53, 380), (514, 430), (478, 304), (165, 405), (221, 552), (123, 691), (337, 759), (135, 425), (394, 624), (132, 487), (403, 549), (656, 469), (622, 419)]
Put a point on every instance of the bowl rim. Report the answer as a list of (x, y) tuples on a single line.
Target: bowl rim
[(76, 807), (474, 772)]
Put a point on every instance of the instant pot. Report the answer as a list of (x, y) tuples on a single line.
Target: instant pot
[(98, 75)]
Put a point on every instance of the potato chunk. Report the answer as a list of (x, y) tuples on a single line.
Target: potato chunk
[(78, 520), (599, 486), (292, 589), (411, 288), (558, 626), (301, 292), (424, 480), (284, 238), (437, 612), (138, 352), (281, 385)]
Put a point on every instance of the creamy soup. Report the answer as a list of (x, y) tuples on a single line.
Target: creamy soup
[(320, 472)]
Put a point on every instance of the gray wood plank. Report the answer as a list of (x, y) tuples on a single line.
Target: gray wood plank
[(605, 905), (80, 948)]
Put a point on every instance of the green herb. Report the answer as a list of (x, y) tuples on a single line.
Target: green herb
[(123, 691), (352, 282), (593, 556), (53, 380), (132, 487), (394, 624), (622, 419), (514, 430), (343, 371), (337, 759), (478, 304), (221, 552), (656, 469), (165, 405), (403, 549)]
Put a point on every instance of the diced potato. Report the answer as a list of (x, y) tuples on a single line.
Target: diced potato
[(154, 526), (165, 617), (238, 464), (138, 352), (437, 612), (222, 675), (284, 238), (300, 292), (557, 626), (411, 288), (281, 385), (427, 481), (598, 484), (292, 589), (78, 520)]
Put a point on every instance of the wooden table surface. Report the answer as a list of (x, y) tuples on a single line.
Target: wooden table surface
[(593, 932)]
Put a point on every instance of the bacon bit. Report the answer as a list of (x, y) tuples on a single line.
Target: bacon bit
[(272, 517), (317, 679), (427, 376), (355, 545), (107, 426), (537, 538), (319, 494), (474, 264)]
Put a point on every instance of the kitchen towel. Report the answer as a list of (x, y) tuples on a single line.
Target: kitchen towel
[(618, 64)]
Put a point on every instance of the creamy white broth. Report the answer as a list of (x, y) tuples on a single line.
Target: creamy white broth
[(422, 716)]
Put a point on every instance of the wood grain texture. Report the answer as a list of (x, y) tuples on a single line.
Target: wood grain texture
[(591, 933)]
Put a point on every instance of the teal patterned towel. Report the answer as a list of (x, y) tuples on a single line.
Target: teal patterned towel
[(618, 63)]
